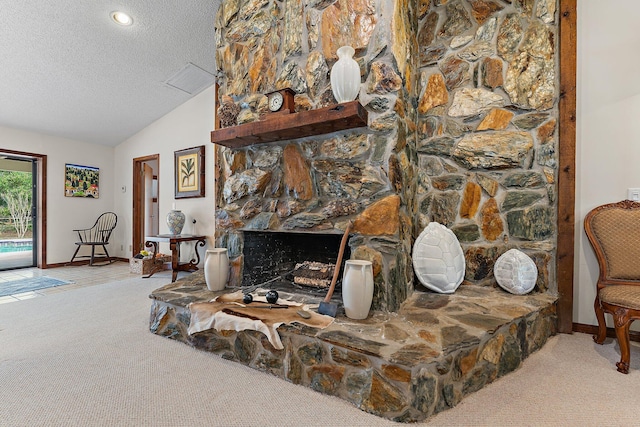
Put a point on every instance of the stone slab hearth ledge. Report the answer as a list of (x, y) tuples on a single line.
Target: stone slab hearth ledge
[(404, 366)]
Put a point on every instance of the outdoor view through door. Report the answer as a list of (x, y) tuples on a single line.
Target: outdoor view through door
[(18, 201)]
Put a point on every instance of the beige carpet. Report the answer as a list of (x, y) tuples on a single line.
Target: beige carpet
[(85, 357)]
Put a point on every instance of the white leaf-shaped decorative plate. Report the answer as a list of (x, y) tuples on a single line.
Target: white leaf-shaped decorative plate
[(515, 272), (438, 259)]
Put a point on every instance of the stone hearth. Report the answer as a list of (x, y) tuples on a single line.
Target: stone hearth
[(461, 101), (404, 366)]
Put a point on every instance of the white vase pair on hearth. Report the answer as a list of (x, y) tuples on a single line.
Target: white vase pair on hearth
[(357, 288), (216, 268), (357, 281)]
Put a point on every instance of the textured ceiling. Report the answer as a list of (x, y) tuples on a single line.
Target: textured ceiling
[(67, 70)]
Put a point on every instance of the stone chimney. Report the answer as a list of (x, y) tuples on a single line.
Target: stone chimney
[(461, 98)]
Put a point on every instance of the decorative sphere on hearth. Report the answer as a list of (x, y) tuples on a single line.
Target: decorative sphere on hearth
[(247, 298), (272, 297)]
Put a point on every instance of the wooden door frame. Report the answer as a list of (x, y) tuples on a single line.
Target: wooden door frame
[(137, 192), (41, 161)]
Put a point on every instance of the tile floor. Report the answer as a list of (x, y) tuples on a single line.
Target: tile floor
[(79, 276), (15, 259)]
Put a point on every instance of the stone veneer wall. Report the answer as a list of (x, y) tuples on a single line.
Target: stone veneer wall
[(487, 129), (319, 184), (462, 102)]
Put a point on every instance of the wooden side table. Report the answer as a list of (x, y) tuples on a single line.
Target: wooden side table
[(174, 241)]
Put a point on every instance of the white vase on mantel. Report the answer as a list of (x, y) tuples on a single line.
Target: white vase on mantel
[(345, 76), (357, 288), (216, 268)]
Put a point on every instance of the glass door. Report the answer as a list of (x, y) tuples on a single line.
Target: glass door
[(18, 212)]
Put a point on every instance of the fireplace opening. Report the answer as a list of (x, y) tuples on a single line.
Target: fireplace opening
[(272, 259)]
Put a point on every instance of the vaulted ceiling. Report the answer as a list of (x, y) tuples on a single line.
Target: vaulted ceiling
[(68, 70)]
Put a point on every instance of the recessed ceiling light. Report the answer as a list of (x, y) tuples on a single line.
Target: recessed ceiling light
[(121, 18)]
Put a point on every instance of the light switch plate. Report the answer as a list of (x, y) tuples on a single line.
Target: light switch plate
[(633, 194)]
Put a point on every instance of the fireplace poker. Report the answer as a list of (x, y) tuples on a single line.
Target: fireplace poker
[(326, 306), (267, 305), (270, 306)]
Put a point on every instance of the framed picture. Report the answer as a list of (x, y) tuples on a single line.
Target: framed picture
[(81, 181), (189, 172)]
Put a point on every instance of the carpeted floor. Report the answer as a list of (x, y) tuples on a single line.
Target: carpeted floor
[(85, 357), (29, 284)]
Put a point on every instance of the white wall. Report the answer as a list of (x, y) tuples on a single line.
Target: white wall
[(608, 132), (187, 126), (66, 213)]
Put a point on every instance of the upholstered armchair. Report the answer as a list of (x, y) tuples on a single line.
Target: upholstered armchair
[(614, 233)]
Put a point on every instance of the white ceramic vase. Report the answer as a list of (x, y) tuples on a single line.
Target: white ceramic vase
[(175, 221), (357, 288), (216, 268), (345, 76)]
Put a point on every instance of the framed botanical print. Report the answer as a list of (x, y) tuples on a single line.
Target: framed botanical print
[(189, 173)]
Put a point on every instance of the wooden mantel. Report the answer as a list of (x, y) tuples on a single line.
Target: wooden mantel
[(280, 127)]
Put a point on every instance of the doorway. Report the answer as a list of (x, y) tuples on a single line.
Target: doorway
[(145, 199), (22, 210)]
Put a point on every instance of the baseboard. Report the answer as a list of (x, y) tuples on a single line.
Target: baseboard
[(611, 333), (83, 262)]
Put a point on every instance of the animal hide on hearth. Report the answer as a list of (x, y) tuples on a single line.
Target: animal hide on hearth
[(228, 312)]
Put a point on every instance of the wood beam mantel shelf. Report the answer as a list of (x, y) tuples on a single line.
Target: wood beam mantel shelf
[(348, 115)]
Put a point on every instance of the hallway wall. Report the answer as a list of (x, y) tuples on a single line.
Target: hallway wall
[(187, 126), (608, 132)]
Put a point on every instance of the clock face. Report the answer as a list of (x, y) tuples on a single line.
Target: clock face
[(275, 101)]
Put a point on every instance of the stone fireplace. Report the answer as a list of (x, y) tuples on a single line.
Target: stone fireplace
[(317, 198), (461, 109), (461, 98)]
